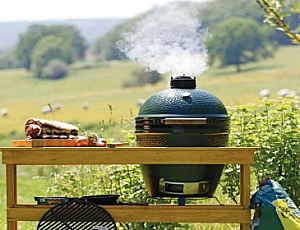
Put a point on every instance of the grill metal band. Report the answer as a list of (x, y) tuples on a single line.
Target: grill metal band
[(185, 121), (183, 188)]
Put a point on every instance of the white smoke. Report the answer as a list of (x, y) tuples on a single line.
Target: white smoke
[(168, 40)]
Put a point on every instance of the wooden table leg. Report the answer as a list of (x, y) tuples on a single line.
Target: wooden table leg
[(11, 192), (245, 226), (245, 192)]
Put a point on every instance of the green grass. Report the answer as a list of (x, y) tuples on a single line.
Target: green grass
[(28, 187), (100, 87), (282, 71), (24, 97)]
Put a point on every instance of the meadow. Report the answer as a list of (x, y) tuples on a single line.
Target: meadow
[(101, 87)]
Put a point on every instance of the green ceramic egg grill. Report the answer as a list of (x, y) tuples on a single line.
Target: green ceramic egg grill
[(182, 116)]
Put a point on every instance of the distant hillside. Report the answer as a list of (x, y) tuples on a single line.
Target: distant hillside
[(89, 28)]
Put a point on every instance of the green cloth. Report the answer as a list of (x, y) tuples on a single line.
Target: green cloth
[(275, 210)]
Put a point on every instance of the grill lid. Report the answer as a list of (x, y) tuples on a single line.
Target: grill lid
[(182, 100), (182, 106)]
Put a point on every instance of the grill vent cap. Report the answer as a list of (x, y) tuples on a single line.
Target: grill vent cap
[(183, 82)]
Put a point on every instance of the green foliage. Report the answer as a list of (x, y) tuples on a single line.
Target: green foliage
[(9, 62), (31, 38), (55, 69), (217, 11), (27, 42), (280, 13), (105, 47), (125, 180), (72, 38), (142, 78), (238, 41), (121, 130), (49, 48), (273, 126), (211, 13)]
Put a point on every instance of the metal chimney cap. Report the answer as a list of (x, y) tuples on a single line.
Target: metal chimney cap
[(183, 82)]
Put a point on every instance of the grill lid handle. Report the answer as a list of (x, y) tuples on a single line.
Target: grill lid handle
[(186, 121)]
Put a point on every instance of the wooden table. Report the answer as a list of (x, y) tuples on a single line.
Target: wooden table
[(240, 213)]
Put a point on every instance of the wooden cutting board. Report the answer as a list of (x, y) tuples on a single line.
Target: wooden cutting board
[(44, 143)]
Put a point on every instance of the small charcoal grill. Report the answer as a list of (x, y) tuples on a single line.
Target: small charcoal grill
[(76, 215), (182, 116)]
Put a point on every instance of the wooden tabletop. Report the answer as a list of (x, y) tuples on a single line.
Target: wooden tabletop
[(126, 155)]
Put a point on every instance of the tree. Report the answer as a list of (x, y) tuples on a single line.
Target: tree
[(216, 11), (9, 62), (28, 40), (105, 47), (276, 16), (73, 37), (238, 41), (49, 48)]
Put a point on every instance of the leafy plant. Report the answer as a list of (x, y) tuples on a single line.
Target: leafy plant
[(125, 180), (273, 126)]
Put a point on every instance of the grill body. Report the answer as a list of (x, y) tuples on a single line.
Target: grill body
[(182, 116)]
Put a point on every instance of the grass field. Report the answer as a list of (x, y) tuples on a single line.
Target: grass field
[(24, 97)]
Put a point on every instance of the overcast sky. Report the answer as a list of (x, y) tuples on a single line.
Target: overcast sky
[(28, 10)]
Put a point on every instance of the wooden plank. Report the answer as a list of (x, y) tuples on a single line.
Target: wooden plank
[(245, 185), (151, 155), (11, 185), (245, 191), (44, 143), (151, 213)]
